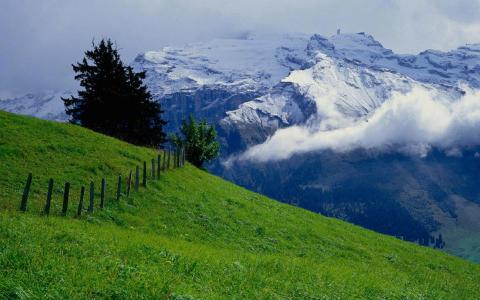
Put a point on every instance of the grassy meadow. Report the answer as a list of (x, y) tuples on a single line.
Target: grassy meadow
[(188, 235)]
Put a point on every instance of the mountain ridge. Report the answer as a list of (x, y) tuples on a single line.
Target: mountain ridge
[(250, 65), (255, 89)]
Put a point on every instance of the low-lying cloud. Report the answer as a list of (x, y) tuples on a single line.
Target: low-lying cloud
[(412, 122)]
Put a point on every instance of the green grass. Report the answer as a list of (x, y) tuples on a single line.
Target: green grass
[(189, 235)]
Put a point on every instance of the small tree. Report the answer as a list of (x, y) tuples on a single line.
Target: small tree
[(114, 100), (198, 140)]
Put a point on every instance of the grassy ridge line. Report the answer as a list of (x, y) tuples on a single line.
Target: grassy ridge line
[(192, 235), (63, 152)]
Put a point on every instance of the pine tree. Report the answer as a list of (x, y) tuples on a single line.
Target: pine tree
[(199, 141), (114, 100)]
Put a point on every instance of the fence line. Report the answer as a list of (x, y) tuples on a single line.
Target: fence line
[(178, 161)]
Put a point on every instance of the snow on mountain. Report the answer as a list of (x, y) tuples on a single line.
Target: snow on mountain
[(272, 97), (335, 90), (356, 74), (47, 105), (239, 65), (430, 66), (247, 66), (257, 84), (347, 79)]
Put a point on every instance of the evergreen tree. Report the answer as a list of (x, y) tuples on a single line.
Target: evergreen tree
[(114, 100), (198, 140)]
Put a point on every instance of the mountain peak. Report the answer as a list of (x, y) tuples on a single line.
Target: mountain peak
[(252, 64)]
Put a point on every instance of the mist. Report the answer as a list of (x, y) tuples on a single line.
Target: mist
[(411, 123)]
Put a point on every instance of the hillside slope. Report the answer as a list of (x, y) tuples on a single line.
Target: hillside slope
[(188, 235), (383, 140)]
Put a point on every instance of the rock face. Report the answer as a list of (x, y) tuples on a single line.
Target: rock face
[(210, 79), (348, 77), (255, 85)]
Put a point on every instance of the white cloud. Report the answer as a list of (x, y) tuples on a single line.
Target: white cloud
[(411, 122)]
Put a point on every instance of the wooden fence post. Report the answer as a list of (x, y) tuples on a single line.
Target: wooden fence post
[(153, 168), (102, 193), (129, 183), (137, 178), (119, 187), (49, 197), (158, 166), (26, 192), (144, 180), (66, 191), (92, 196), (80, 203)]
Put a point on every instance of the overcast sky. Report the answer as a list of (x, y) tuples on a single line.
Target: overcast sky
[(40, 39)]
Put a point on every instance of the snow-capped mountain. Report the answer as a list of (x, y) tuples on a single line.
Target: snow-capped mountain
[(47, 105), (278, 81), (251, 64), (209, 79), (431, 66), (292, 104), (348, 77)]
